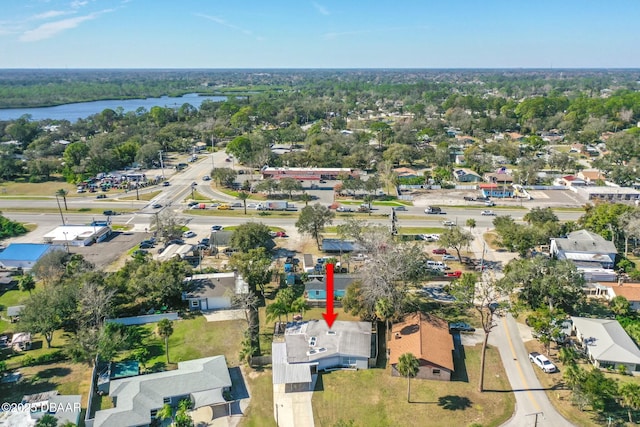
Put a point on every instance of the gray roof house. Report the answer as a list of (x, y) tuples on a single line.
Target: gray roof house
[(137, 399), (213, 291), (13, 312), (311, 346), (585, 249), (466, 175), (606, 343)]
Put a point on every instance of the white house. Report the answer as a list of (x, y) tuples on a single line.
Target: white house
[(214, 291), (607, 344), (586, 249)]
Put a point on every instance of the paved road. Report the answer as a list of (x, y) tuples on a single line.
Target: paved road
[(531, 399)]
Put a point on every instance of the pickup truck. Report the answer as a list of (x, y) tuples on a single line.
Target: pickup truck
[(542, 361)]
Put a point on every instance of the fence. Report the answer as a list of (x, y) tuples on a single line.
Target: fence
[(141, 320)]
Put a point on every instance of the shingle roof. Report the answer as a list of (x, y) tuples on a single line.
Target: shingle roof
[(585, 241), (137, 396), (340, 282), (211, 285), (609, 341), (630, 293), (344, 338), (425, 336)]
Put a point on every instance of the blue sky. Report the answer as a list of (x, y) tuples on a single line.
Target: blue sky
[(319, 34)]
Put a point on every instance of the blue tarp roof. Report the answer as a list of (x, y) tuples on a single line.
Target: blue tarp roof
[(24, 251)]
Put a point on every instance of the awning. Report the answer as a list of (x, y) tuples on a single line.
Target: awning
[(207, 398), (576, 256)]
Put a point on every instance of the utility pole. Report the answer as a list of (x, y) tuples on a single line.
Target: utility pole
[(536, 419), (213, 166), (161, 164), (60, 209)]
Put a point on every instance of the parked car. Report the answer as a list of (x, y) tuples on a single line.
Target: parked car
[(192, 203), (205, 241), (439, 251), (359, 257), (188, 234), (488, 213), (344, 209), (175, 242), (456, 273), (101, 196), (166, 184), (146, 245), (448, 257), (542, 362), (237, 204), (469, 199), (224, 208), (461, 327)]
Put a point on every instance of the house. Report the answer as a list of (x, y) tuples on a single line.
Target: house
[(608, 193), (585, 249), (311, 346), (494, 190), (315, 289), (427, 337), (498, 178), (66, 409), (24, 255), (571, 181), (13, 312), (466, 175), (606, 344), (213, 291), (628, 290), (138, 399), (591, 177), (405, 172)]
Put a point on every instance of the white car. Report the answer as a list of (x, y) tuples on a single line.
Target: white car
[(188, 234), (448, 257), (488, 213), (448, 223)]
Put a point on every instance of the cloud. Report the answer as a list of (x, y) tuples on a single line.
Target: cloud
[(224, 23), (50, 29), (321, 9), (78, 3), (48, 15)]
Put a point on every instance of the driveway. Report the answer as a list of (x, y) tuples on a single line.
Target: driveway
[(293, 409)]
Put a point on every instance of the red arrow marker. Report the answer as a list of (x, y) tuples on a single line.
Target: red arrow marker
[(329, 316)]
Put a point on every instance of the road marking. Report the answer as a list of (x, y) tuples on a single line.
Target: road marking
[(520, 371)]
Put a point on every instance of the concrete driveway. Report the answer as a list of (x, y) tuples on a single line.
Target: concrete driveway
[(293, 409)]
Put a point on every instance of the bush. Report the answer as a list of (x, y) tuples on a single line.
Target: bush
[(44, 359)]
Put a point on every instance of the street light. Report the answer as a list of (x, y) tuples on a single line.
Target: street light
[(66, 240), (60, 209)]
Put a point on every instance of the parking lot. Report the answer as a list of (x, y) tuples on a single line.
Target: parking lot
[(107, 252)]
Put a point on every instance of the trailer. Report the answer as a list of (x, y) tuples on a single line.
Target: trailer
[(275, 206)]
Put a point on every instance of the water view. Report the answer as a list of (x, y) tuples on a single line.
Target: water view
[(73, 112)]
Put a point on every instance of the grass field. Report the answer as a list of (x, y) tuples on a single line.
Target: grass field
[(260, 411), (374, 398), (36, 189)]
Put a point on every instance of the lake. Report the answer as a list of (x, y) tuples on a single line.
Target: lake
[(73, 112)]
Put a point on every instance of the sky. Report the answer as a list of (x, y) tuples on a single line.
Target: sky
[(319, 34)]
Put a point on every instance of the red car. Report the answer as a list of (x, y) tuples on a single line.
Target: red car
[(456, 273), (281, 234), (440, 251)]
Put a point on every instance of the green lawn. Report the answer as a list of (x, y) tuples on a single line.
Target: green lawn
[(374, 398), (9, 299), (142, 196), (260, 411)]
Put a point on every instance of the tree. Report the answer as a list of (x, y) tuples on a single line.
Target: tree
[(313, 219), (306, 198), (183, 419), (455, 238), (224, 176), (408, 367), (620, 306), (630, 398), (483, 297), (167, 224), (10, 228), (27, 283), (385, 312), (165, 330), (166, 413), (243, 195), (250, 235), (471, 223), (289, 185), (41, 314), (47, 420), (276, 309), (63, 193)]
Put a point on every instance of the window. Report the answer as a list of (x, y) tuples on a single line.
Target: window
[(154, 412), (166, 401), (435, 371), (317, 293), (195, 303)]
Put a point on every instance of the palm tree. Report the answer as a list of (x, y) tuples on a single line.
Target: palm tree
[(385, 311), (408, 367), (630, 398), (27, 283), (306, 198), (471, 223), (165, 330), (166, 413), (243, 195), (300, 305), (277, 309), (368, 198), (63, 193)]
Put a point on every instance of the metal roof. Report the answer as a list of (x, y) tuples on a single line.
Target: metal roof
[(285, 373), (338, 245), (14, 310), (585, 241), (340, 282), (607, 340), (24, 252)]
